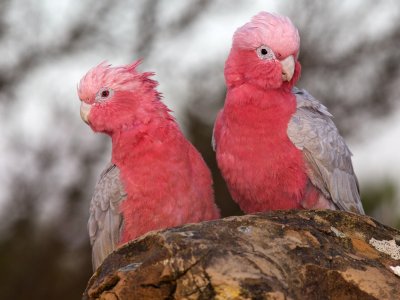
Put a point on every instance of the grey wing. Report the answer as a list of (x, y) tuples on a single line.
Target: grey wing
[(213, 140), (105, 219), (213, 143), (328, 159)]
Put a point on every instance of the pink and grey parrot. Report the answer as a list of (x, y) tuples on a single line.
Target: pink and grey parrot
[(156, 178), (276, 145)]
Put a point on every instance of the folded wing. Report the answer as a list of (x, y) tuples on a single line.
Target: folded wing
[(105, 220), (328, 159)]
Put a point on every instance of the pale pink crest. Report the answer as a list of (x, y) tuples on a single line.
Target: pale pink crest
[(272, 30), (105, 76)]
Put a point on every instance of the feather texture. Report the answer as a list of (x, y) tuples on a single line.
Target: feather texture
[(105, 219), (327, 157)]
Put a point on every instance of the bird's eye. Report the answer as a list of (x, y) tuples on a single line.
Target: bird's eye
[(103, 94), (265, 52)]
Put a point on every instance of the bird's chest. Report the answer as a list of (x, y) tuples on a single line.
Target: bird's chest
[(257, 141), (255, 154)]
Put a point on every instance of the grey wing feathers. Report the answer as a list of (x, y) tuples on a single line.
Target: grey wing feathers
[(213, 143), (105, 219), (328, 159)]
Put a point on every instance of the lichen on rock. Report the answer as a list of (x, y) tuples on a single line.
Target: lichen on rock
[(389, 247)]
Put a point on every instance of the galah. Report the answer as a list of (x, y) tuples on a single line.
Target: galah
[(156, 179), (276, 145)]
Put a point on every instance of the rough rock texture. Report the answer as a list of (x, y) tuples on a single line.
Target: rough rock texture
[(276, 255)]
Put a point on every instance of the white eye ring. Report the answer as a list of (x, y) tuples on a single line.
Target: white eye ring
[(104, 94), (265, 52)]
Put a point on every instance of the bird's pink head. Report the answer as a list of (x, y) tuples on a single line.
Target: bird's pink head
[(114, 98), (264, 53)]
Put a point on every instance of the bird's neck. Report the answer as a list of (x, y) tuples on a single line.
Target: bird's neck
[(265, 113), (139, 137), (264, 99)]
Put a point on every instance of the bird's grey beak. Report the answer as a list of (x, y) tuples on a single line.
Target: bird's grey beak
[(288, 65), (85, 110)]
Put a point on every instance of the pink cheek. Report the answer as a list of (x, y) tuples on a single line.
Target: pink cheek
[(97, 118), (107, 118), (270, 76), (277, 71)]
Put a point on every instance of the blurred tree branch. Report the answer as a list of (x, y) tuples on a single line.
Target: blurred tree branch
[(353, 82), (78, 31)]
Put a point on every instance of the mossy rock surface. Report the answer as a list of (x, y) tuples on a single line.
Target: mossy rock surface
[(275, 255)]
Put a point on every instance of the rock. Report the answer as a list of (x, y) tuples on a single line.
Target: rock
[(275, 255)]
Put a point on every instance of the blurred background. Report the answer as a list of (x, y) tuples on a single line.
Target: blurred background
[(50, 160)]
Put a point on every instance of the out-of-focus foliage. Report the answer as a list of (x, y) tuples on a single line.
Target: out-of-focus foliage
[(380, 198), (350, 61), (51, 160)]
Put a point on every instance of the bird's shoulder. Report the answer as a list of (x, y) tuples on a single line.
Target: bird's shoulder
[(304, 100), (311, 126)]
